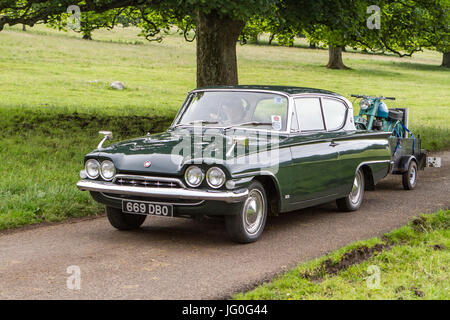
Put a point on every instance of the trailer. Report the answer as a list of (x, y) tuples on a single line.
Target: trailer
[(407, 155)]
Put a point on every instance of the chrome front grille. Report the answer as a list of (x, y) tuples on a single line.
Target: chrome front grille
[(146, 181)]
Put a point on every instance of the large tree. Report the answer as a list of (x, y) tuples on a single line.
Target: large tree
[(218, 24), (337, 26), (435, 28), (402, 27)]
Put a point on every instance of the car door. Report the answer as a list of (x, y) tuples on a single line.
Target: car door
[(335, 115), (313, 154)]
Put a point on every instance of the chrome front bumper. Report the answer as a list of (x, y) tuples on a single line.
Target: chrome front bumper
[(173, 193)]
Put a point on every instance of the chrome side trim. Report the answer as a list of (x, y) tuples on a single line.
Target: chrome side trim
[(173, 203), (372, 162), (315, 199), (173, 193), (255, 174)]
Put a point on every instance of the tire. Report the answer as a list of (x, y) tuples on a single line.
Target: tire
[(409, 178), (124, 221), (248, 225), (396, 115), (353, 201)]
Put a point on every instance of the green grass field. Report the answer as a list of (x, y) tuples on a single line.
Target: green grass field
[(55, 97), (412, 262)]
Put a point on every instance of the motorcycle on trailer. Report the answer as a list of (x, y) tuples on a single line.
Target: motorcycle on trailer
[(407, 157)]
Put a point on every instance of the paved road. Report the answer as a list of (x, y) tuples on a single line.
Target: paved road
[(186, 259)]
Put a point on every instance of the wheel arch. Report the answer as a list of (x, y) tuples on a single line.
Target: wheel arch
[(272, 190), (402, 164), (369, 183)]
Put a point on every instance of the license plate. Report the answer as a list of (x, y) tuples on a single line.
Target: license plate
[(434, 162), (147, 208)]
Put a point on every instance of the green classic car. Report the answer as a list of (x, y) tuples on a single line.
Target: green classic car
[(241, 152)]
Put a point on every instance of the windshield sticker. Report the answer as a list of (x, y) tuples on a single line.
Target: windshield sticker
[(276, 122), (278, 100)]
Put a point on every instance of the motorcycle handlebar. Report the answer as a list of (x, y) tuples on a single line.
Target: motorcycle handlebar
[(381, 98)]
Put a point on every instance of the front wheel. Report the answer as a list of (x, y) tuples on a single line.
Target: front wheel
[(409, 178), (248, 225), (124, 221), (353, 201)]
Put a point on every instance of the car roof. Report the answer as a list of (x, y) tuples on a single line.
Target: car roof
[(289, 90)]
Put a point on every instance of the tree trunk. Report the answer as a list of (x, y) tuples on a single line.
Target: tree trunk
[(24, 27), (87, 36), (335, 58), (446, 60), (272, 35), (216, 50)]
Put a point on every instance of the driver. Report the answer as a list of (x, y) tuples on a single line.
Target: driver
[(233, 109)]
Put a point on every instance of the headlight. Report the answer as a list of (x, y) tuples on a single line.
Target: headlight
[(92, 168), (364, 104), (215, 177), (194, 176), (107, 170)]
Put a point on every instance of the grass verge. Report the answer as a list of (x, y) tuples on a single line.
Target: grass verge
[(41, 155), (412, 262)]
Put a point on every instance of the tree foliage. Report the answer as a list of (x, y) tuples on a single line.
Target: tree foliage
[(30, 12), (88, 22)]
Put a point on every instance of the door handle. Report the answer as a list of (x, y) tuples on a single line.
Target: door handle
[(333, 144)]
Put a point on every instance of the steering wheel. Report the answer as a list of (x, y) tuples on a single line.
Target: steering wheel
[(219, 115)]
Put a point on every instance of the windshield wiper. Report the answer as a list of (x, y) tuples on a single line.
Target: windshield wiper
[(201, 122), (249, 123)]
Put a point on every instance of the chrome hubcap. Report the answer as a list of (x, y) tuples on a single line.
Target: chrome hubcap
[(253, 211), (356, 189), (412, 176)]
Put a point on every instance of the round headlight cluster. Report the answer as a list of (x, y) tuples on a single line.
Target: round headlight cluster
[(94, 169), (107, 170), (215, 177), (364, 104), (194, 176)]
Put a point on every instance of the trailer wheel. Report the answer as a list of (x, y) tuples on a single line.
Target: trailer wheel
[(409, 178)]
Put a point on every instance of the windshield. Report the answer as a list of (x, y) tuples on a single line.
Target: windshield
[(234, 108)]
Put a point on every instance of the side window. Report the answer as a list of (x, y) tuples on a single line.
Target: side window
[(267, 109), (309, 114), (335, 112)]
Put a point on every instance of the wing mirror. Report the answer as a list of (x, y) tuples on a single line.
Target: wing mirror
[(107, 135)]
